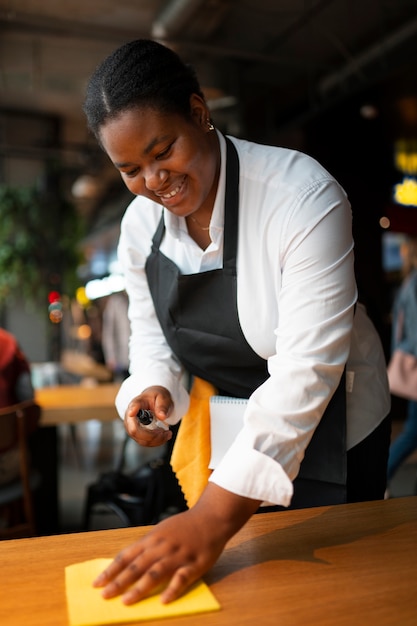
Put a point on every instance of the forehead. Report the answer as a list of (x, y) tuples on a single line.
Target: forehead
[(138, 129), (137, 119)]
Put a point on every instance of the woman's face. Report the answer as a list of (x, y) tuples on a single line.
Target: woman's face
[(169, 159)]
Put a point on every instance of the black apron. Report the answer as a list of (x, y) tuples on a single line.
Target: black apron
[(198, 315)]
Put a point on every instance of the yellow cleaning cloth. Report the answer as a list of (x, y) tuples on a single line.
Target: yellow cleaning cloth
[(191, 452), (86, 607)]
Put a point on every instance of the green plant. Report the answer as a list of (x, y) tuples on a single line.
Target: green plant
[(39, 243)]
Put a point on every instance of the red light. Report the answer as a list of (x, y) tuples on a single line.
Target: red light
[(54, 296)]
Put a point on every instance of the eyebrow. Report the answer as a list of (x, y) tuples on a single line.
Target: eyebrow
[(147, 150)]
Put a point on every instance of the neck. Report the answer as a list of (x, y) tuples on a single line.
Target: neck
[(201, 237)]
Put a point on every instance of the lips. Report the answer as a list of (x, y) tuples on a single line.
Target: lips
[(173, 192)]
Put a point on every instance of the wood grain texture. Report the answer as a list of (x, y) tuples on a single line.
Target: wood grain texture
[(346, 564)]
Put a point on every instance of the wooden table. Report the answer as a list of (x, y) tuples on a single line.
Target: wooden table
[(352, 564), (70, 404)]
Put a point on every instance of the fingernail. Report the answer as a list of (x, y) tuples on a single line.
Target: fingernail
[(129, 597), (166, 597), (108, 592)]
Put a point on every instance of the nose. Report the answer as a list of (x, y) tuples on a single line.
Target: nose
[(154, 177)]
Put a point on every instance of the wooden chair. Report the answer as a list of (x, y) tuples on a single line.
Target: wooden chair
[(17, 422)]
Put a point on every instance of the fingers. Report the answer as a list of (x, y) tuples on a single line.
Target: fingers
[(160, 558), (173, 553), (159, 401), (120, 562), (157, 574), (182, 579), (156, 439), (148, 581), (163, 406), (123, 572), (119, 576), (144, 436), (180, 582)]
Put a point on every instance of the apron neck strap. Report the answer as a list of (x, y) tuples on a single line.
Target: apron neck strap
[(231, 207)]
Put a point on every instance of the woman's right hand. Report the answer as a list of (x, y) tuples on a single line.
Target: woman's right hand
[(159, 401)]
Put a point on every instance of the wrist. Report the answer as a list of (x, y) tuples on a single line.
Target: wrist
[(227, 511)]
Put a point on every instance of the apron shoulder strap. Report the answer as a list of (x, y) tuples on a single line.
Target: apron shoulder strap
[(231, 210), (159, 233)]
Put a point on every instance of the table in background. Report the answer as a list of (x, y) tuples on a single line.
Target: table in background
[(349, 564), (70, 404), (63, 404)]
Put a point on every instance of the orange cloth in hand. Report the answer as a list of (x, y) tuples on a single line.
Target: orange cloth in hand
[(192, 450)]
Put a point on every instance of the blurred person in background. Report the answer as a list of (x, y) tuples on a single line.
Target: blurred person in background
[(404, 337), (15, 386), (115, 335)]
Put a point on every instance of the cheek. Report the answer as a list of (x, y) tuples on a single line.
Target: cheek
[(138, 188), (135, 185), (130, 184), (200, 170)]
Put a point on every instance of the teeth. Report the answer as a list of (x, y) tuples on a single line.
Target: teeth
[(173, 193)]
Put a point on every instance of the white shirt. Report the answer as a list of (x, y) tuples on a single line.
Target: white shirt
[(296, 293)]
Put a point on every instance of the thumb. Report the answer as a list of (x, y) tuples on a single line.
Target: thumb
[(163, 407)]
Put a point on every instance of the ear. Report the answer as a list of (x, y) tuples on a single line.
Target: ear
[(199, 111)]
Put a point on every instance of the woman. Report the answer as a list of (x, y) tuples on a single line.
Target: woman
[(238, 261), (404, 337)]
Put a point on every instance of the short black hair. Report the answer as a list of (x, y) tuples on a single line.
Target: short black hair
[(139, 73)]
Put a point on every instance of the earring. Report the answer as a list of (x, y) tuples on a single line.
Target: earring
[(209, 124)]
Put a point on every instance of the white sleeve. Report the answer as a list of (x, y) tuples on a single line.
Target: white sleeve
[(151, 360), (311, 250)]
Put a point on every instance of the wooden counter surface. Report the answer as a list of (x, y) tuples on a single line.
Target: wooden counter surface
[(347, 565)]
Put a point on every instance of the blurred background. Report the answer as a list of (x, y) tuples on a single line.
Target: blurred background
[(334, 78)]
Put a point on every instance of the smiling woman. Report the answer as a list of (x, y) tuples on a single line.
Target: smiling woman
[(218, 224), (163, 144), (170, 160)]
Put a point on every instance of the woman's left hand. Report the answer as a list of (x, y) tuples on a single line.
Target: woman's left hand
[(174, 552), (178, 550)]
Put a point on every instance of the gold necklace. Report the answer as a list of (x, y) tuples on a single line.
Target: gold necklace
[(205, 228)]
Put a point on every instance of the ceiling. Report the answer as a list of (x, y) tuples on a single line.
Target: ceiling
[(280, 60)]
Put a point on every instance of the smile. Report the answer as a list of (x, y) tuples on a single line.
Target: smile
[(174, 192)]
